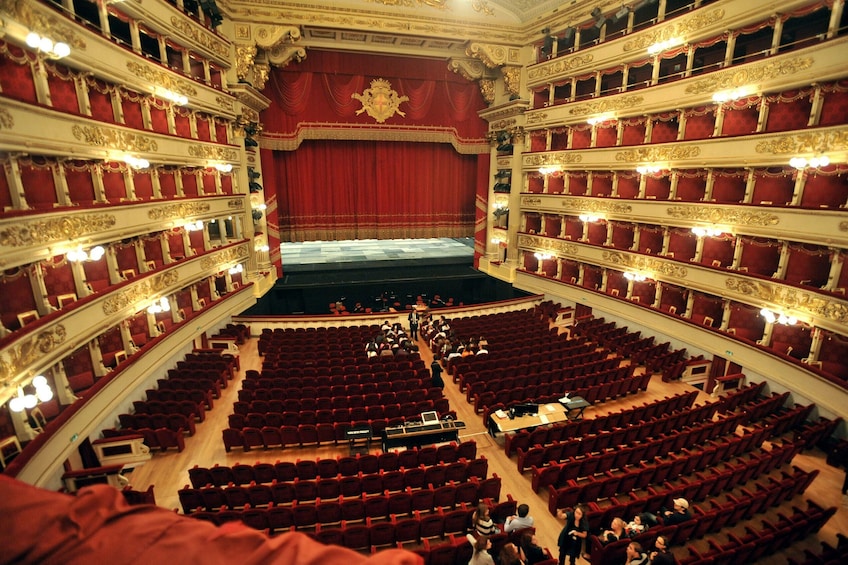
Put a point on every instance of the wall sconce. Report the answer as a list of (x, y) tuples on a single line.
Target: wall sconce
[(194, 226), (223, 167), (589, 218), (549, 169), (236, 269), (136, 162), (542, 256), (161, 305), (648, 169), (813, 162), (661, 46), (175, 97), (22, 401), (778, 317), (634, 276), (733, 94), (709, 231), (79, 255), (46, 46), (263, 249), (600, 118)]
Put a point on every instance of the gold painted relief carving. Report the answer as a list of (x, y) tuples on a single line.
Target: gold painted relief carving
[(547, 244), (225, 103), (113, 139), (140, 292), (594, 205), (642, 263), (561, 65), (543, 159), (487, 89), (716, 215), (536, 118), (227, 256), (735, 78), (806, 142), (28, 351), (492, 55), (601, 106), (236, 204), (209, 152), (245, 54), (531, 201), (687, 25), (181, 210), (48, 230), (6, 119), (161, 78), (189, 29), (791, 298), (380, 101), (242, 31), (654, 154), (467, 68), (512, 80), (43, 23)]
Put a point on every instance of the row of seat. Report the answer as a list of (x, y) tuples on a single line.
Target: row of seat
[(293, 400), (660, 470), (557, 462), (582, 364), (456, 550), (287, 378), (579, 428), (160, 438), (173, 422), (549, 380), (547, 349), (768, 539), (167, 395), (344, 465), (304, 495), (399, 412), (188, 408), (592, 394), (208, 387), (292, 358), (828, 555)]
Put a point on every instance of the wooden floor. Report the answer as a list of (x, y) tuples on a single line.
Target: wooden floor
[(169, 472)]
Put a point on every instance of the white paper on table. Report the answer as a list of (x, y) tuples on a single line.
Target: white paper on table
[(543, 418)]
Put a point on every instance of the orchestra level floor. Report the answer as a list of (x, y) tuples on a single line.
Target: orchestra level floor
[(169, 472)]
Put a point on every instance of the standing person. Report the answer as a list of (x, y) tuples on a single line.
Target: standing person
[(481, 556), (414, 320), (573, 535), (436, 372)]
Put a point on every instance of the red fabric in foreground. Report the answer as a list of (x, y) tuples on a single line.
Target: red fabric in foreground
[(98, 526)]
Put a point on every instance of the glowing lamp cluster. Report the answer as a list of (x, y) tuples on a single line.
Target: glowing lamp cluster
[(635, 277), (22, 401), (542, 256), (136, 162), (813, 162), (236, 269), (175, 97), (778, 317), (223, 167), (589, 218), (600, 118), (661, 46), (194, 226), (648, 169), (45, 45), (706, 231), (547, 170), (161, 305), (732, 94), (79, 255)]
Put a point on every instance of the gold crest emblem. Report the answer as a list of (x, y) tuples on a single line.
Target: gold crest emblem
[(380, 101)]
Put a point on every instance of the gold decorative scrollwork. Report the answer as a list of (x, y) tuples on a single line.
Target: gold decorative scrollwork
[(536, 118), (139, 292), (681, 27), (200, 37), (559, 66), (215, 260), (718, 215), (487, 89), (543, 159), (594, 205), (806, 142), (161, 78), (653, 154), (179, 210), (601, 106), (236, 204), (791, 298), (6, 119), (643, 263), (492, 56), (213, 152), (559, 247), (380, 101), (114, 139), (512, 80), (245, 54), (531, 201), (27, 13), (224, 103), (756, 73), (28, 350), (468, 68), (63, 228)]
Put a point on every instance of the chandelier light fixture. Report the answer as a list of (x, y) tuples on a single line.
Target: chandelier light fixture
[(706, 231), (194, 226), (778, 317), (600, 118), (236, 269), (648, 169), (22, 401), (136, 162), (541, 256), (548, 169), (589, 218), (223, 167), (661, 46), (812, 163), (634, 276), (79, 255), (46, 46), (161, 305)]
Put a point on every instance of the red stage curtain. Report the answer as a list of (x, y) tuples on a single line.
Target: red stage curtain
[(700, 123), (203, 131), (5, 194), (158, 114), (131, 104), (535, 183), (227, 183), (189, 183), (100, 100), (373, 190), (538, 141), (113, 181), (167, 183), (607, 135), (556, 183)]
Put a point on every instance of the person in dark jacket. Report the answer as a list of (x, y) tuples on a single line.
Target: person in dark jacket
[(573, 535)]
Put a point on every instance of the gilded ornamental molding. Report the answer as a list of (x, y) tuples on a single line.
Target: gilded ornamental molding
[(236, 204), (380, 101), (28, 350), (114, 139), (213, 152), (6, 119), (718, 215), (787, 297), (681, 27), (180, 210), (200, 37), (560, 65), (487, 89), (595, 205), (542, 159), (512, 80), (558, 246), (162, 78), (654, 154), (536, 118), (615, 104), (44, 23), (142, 291), (467, 67), (805, 142), (530, 201), (493, 56), (53, 229), (633, 261), (756, 73), (216, 260), (225, 103)]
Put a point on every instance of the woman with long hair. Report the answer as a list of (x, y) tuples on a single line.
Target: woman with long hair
[(481, 556)]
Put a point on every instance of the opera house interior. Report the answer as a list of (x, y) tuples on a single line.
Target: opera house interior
[(655, 195)]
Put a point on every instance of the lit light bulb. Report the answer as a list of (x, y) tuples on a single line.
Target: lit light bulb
[(61, 50), (96, 253), (33, 40), (39, 380)]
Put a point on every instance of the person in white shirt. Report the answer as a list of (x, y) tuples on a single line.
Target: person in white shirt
[(519, 522)]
